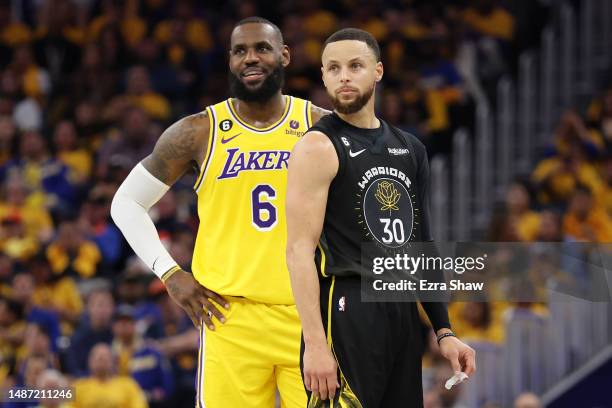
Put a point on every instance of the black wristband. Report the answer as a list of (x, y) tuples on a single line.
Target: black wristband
[(443, 335)]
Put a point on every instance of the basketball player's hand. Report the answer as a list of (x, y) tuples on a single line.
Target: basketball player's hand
[(461, 356), (320, 371), (195, 299)]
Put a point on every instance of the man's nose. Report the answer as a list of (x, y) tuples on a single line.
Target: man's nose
[(251, 57), (344, 75)]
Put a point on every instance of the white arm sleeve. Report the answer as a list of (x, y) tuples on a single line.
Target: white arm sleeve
[(136, 195)]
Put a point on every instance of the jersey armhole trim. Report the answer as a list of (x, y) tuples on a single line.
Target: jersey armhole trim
[(210, 149), (308, 115)]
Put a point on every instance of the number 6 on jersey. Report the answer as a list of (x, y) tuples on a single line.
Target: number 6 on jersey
[(264, 213)]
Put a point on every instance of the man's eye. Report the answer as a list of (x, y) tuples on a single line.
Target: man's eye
[(238, 51), (356, 65)]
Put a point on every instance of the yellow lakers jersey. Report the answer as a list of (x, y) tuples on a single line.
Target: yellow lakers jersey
[(240, 246)]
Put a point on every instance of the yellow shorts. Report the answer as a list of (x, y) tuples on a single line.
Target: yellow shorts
[(244, 361)]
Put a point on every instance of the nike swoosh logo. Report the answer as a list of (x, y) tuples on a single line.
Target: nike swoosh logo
[(223, 140), (355, 154)]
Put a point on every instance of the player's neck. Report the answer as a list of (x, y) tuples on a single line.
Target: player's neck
[(365, 118), (261, 114)]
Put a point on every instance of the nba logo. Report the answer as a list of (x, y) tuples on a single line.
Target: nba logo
[(341, 304), (294, 124)]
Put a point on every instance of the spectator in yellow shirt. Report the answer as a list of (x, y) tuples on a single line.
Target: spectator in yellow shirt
[(58, 293), (486, 17), (476, 322), (526, 222), (104, 385), (550, 229), (193, 31), (556, 178), (140, 93), (78, 159), (71, 254), (586, 222), (121, 14), (15, 201), (12, 33)]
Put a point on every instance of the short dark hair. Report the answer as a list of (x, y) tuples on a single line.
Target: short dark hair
[(261, 20), (355, 34)]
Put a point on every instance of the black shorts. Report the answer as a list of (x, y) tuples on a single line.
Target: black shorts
[(378, 347)]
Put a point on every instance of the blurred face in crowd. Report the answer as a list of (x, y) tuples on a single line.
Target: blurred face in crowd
[(138, 81), (11, 83), (69, 236), (581, 203), (517, 198), (41, 270), (23, 287), (131, 291), (550, 227), (22, 57), (91, 57), (350, 73), (392, 107), (15, 190), (32, 145), (124, 329), (101, 361), (100, 306), (257, 62), (37, 340), (6, 267), (136, 125), (85, 113), (7, 317), (7, 130), (65, 136), (475, 313)]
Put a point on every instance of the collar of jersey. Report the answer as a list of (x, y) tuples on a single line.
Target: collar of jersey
[(288, 102)]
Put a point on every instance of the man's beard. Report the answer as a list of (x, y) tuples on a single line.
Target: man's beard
[(270, 86), (353, 106)]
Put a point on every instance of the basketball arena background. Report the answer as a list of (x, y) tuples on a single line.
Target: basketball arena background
[(512, 98)]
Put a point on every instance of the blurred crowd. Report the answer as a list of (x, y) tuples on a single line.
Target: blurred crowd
[(87, 86), (566, 199)]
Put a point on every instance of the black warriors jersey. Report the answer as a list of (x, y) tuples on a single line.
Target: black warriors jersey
[(378, 196)]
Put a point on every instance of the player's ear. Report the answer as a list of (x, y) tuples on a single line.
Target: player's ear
[(323, 76), (379, 70), (285, 56)]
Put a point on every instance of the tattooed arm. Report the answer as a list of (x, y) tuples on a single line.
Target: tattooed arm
[(179, 148), (317, 113)]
